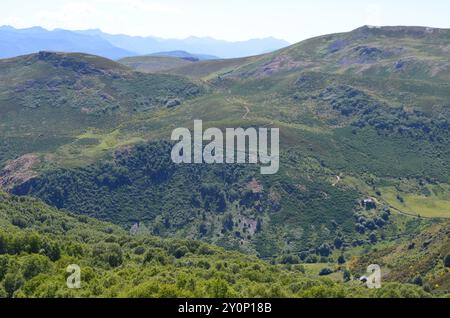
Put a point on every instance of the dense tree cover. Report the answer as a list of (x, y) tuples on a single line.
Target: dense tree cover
[(391, 123), (35, 252), (229, 205), (333, 122)]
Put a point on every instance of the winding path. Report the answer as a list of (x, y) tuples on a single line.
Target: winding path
[(247, 111)]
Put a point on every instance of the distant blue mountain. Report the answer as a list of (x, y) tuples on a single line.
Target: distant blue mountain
[(14, 42), (205, 46)]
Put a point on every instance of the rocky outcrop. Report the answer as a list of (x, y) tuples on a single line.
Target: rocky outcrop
[(18, 171)]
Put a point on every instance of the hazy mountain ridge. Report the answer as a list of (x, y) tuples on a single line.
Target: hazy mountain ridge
[(15, 42), (194, 45)]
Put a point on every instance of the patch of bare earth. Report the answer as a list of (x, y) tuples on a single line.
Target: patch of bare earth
[(255, 186), (18, 171), (86, 110)]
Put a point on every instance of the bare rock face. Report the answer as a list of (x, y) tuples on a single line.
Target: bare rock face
[(18, 171)]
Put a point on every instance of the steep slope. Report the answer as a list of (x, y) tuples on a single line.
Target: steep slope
[(299, 212), (48, 100), (38, 243), (380, 95), (413, 60), (394, 52), (419, 261), (391, 80), (230, 206), (353, 127)]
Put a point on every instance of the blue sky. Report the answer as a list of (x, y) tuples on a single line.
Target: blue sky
[(292, 20)]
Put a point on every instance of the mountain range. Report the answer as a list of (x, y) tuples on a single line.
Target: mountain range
[(15, 42), (364, 119)]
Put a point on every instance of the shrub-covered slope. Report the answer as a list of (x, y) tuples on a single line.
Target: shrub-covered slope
[(423, 260), (299, 211), (37, 243), (154, 64), (363, 115), (48, 99)]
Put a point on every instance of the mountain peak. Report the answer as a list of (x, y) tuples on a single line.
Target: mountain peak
[(6, 28), (25, 30), (35, 29), (16, 42)]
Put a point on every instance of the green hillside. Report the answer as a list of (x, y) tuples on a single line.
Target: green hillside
[(395, 52), (211, 69), (362, 115), (231, 206), (48, 100), (419, 261), (37, 243), (154, 64)]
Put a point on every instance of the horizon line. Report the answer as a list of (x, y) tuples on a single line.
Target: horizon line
[(143, 36)]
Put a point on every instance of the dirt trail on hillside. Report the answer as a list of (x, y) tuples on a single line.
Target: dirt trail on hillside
[(247, 112), (338, 179), (233, 99)]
